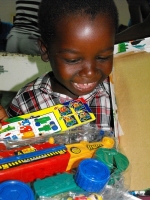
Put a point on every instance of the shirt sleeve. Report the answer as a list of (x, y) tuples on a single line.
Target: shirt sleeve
[(14, 109)]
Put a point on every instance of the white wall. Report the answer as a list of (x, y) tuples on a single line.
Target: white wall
[(7, 10), (17, 69), (124, 15)]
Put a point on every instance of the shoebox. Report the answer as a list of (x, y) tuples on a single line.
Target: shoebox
[(130, 88)]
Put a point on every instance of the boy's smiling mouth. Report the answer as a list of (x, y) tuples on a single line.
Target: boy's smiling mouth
[(84, 86)]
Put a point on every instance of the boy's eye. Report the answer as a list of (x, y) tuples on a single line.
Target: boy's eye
[(72, 61), (100, 58)]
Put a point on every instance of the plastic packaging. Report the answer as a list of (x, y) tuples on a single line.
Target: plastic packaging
[(109, 193), (86, 132), (74, 196)]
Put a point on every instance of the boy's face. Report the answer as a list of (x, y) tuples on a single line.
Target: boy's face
[(82, 54)]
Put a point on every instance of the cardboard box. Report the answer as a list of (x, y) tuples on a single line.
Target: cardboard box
[(131, 77)]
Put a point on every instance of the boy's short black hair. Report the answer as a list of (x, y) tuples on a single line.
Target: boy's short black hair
[(53, 10)]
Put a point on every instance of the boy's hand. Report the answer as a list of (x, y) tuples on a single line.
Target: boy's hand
[(3, 115)]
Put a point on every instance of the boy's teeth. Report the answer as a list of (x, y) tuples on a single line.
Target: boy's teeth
[(83, 84)]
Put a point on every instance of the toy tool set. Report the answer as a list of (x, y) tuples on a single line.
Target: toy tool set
[(51, 120), (56, 150), (40, 160)]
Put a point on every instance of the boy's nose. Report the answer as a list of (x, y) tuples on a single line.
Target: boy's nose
[(88, 69)]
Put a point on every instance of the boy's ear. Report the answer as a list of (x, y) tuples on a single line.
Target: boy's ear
[(43, 49)]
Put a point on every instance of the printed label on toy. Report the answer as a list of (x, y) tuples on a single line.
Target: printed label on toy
[(28, 128)]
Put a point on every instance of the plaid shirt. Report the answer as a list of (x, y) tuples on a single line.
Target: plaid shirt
[(38, 95)]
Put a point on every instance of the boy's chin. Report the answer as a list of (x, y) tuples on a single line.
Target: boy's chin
[(77, 94)]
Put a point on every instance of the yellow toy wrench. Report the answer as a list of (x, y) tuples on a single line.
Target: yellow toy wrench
[(84, 149)]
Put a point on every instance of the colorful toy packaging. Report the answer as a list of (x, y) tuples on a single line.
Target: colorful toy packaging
[(57, 151), (51, 120)]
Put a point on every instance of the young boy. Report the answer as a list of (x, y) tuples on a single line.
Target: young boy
[(77, 38)]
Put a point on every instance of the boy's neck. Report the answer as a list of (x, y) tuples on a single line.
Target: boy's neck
[(58, 87)]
